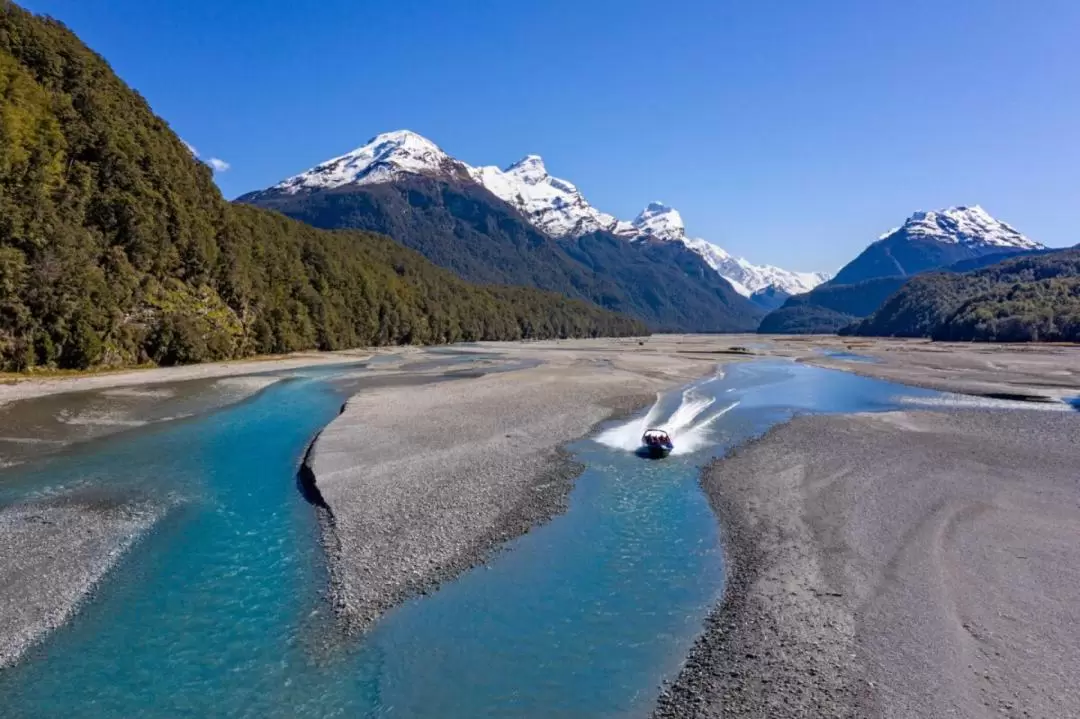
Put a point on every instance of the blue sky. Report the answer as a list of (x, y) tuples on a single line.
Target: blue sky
[(790, 132)]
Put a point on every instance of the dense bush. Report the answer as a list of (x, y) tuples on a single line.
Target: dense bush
[(117, 248)]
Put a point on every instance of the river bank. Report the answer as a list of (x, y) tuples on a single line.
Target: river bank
[(895, 565), (19, 387), (54, 553), (422, 483)]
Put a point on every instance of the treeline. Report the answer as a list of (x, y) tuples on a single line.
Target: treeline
[(1028, 299), (116, 247)]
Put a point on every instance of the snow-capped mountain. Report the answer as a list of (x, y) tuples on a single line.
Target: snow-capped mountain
[(938, 238), (553, 205), (558, 208), (384, 158), (664, 223), (661, 222), (965, 226)]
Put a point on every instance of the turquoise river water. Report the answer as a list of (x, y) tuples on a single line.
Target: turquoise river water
[(218, 610)]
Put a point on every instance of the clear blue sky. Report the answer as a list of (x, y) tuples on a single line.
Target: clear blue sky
[(789, 131)]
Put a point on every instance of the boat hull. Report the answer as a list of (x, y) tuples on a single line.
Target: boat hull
[(656, 451)]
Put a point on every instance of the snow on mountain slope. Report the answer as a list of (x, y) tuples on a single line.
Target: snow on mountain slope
[(384, 158), (971, 226), (555, 206), (661, 222), (664, 223)]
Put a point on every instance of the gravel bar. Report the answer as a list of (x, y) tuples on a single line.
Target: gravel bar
[(906, 564), (51, 557), (420, 483)]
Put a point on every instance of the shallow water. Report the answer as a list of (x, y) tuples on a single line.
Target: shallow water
[(218, 611), (850, 356)]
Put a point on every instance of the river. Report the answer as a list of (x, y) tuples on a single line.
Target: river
[(218, 611)]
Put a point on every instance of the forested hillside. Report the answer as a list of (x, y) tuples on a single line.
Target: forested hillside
[(1032, 298), (460, 225), (117, 248)]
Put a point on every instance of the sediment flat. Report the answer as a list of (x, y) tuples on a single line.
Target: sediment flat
[(18, 387), (1030, 372), (906, 564), (420, 483), (52, 554)]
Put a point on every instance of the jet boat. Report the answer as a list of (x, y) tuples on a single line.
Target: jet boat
[(656, 443)]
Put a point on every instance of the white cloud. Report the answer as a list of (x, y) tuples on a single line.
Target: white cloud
[(216, 163)]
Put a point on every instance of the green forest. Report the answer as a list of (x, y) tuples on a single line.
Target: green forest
[(116, 247), (1027, 299)]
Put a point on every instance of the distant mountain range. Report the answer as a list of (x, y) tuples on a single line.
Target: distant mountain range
[(957, 239), (523, 226), (549, 204)]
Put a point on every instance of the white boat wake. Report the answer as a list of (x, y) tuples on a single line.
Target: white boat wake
[(688, 425)]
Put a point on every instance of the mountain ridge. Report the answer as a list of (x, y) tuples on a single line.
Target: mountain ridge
[(553, 205)]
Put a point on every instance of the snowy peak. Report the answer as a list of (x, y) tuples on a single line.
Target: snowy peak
[(965, 226), (553, 205), (530, 170), (382, 159), (660, 221)]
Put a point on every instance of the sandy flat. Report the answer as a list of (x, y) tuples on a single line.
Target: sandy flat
[(899, 565)]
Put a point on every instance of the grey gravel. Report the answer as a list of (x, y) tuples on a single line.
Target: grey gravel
[(52, 554), (907, 564), (420, 483)]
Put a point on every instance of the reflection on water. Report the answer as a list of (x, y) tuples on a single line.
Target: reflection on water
[(218, 612)]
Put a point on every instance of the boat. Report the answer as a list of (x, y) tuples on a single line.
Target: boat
[(656, 443)]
